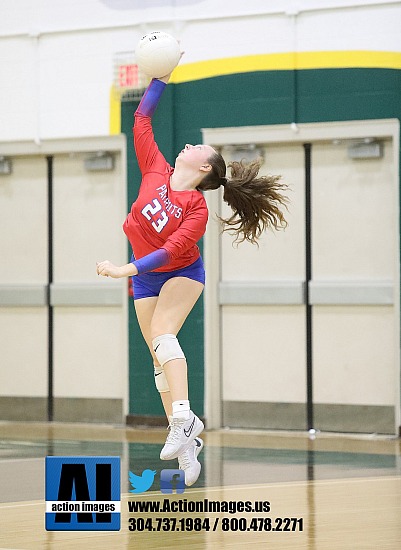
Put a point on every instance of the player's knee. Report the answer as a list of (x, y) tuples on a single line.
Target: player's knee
[(166, 348), (160, 379)]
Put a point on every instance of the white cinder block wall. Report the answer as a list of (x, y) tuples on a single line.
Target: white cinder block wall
[(56, 67)]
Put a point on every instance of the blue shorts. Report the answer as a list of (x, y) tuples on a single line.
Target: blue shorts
[(149, 284)]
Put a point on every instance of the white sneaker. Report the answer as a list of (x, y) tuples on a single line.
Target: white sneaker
[(188, 461), (182, 433)]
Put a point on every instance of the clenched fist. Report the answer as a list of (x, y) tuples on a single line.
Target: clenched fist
[(107, 269)]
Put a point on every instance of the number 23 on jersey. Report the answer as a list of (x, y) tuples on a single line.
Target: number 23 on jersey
[(151, 210)]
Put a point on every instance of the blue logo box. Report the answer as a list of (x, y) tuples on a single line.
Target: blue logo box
[(172, 481), (83, 493)]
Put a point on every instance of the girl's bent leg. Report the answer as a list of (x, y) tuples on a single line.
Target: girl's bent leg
[(176, 300), (145, 308)]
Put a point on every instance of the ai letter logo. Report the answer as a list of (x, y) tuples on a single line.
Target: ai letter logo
[(172, 481), (83, 493)]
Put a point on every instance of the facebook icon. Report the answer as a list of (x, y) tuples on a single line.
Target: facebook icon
[(172, 481)]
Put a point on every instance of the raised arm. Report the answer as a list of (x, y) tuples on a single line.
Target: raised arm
[(146, 148)]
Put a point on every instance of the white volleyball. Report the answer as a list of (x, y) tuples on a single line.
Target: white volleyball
[(157, 54)]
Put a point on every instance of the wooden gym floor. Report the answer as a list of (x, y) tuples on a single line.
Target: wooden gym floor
[(345, 491)]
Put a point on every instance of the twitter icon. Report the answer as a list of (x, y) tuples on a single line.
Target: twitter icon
[(143, 482)]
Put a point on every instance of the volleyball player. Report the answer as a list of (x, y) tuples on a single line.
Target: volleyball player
[(165, 223)]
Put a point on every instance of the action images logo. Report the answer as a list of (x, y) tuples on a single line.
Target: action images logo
[(83, 493)]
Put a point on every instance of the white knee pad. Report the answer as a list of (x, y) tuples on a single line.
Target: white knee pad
[(161, 380), (167, 348)]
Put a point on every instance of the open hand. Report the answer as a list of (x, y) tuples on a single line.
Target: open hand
[(166, 78)]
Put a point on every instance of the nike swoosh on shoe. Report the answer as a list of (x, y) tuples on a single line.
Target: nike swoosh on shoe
[(189, 430)]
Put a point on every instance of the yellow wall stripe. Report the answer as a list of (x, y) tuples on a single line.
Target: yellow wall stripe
[(286, 61), (115, 112), (349, 59)]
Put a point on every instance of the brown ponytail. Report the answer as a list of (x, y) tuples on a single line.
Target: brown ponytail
[(256, 201)]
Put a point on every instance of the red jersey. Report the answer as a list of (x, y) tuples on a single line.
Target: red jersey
[(161, 217)]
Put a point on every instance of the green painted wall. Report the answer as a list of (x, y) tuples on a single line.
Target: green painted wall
[(281, 97), (144, 398), (272, 97)]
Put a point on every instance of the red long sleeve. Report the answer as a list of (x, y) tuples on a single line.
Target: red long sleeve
[(162, 217)]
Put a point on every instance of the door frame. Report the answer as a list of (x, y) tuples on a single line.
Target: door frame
[(64, 294), (281, 134)]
